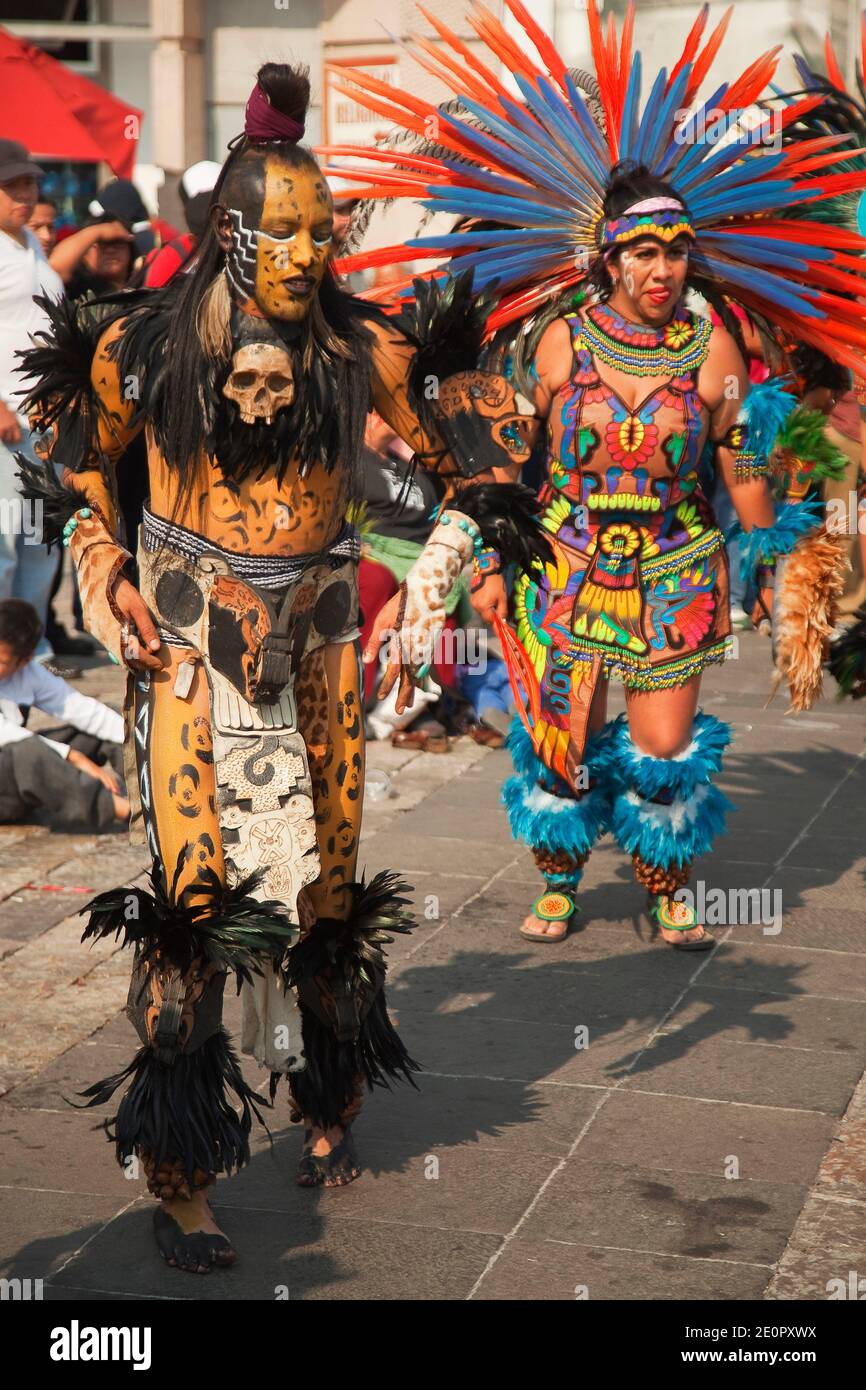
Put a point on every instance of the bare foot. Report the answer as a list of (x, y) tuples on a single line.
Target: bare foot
[(329, 1158), (189, 1237)]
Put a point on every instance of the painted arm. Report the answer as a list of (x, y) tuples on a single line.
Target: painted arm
[(473, 429), (724, 385), (97, 424), (743, 426)]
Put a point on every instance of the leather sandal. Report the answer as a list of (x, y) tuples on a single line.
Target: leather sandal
[(676, 916), (429, 738), (552, 906)]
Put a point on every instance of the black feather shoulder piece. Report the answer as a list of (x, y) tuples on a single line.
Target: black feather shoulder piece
[(446, 324), (508, 516), (59, 364)]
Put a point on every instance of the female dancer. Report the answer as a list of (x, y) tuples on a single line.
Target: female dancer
[(575, 185)]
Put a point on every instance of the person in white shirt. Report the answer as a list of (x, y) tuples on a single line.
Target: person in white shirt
[(75, 774), (26, 566)]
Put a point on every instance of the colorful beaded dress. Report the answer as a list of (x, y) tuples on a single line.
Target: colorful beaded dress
[(639, 589)]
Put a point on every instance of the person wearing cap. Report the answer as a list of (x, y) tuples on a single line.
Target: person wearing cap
[(101, 256), (195, 188), (26, 567)]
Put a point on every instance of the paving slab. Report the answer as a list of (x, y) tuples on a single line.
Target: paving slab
[(548, 1270), (287, 1260), (609, 1204), (703, 1138)]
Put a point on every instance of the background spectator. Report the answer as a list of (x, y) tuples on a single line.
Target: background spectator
[(103, 254), (26, 567), (75, 774), (178, 254), (43, 223)]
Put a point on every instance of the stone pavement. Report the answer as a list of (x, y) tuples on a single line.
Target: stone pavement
[(694, 1149)]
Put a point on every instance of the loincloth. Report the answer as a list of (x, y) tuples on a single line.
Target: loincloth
[(250, 621)]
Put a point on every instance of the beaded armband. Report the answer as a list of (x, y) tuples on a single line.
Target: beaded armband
[(485, 561), (747, 465)]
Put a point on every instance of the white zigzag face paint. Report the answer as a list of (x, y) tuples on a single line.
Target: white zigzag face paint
[(241, 261)]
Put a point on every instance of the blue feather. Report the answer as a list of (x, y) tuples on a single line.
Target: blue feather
[(628, 125), (765, 410), (669, 836), (591, 132), (524, 153), (763, 544), (541, 144), (799, 251), (665, 122), (747, 171), (544, 819), (626, 764), (646, 128), (691, 151), (761, 282)]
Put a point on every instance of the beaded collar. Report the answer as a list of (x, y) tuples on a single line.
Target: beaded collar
[(679, 346)]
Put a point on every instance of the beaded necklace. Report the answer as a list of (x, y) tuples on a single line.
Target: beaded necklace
[(679, 346)]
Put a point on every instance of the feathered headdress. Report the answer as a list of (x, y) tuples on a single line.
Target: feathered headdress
[(841, 111), (537, 168)]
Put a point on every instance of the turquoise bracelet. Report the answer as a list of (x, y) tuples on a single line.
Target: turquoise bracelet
[(84, 513), (473, 531)]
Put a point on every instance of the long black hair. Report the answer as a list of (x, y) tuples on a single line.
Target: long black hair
[(169, 348)]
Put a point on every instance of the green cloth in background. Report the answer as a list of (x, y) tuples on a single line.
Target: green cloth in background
[(399, 557)]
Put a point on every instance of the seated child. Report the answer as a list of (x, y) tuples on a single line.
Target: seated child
[(74, 774)]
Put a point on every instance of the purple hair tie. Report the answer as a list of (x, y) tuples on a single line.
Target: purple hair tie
[(263, 122)]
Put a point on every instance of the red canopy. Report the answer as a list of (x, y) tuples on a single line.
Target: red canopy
[(58, 114)]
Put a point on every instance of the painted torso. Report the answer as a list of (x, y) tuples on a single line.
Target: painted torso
[(256, 516)]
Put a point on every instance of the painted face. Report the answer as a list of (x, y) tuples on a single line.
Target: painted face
[(279, 264), (649, 278)]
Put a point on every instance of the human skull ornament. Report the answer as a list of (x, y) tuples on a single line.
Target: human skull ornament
[(260, 382)]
